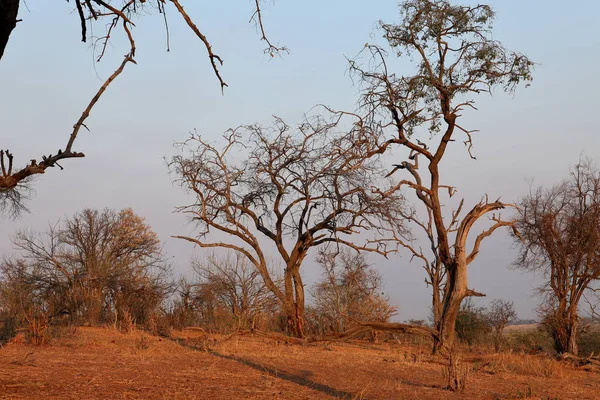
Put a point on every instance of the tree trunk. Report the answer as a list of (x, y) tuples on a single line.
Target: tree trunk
[(563, 326), (572, 330), (299, 311), (295, 322), (572, 343), (565, 337), (8, 21), (436, 308), (497, 340), (455, 292), (294, 302)]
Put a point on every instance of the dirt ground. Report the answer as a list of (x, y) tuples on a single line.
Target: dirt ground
[(100, 363)]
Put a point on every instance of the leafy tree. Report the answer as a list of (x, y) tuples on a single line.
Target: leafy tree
[(455, 59)]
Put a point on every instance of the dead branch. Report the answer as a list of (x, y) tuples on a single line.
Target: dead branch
[(257, 18), (88, 12), (212, 56)]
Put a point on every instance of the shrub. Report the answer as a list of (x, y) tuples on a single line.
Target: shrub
[(159, 325), (589, 341), (471, 324), (530, 341)]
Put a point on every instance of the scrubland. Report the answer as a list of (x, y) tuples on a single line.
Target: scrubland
[(102, 363)]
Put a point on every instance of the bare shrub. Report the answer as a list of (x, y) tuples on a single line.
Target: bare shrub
[(350, 291), (182, 311), (500, 313), (471, 324), (235, 288), (126, 322), (37, 330)]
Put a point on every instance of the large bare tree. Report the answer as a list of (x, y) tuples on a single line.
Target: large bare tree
[(455, 58), (559, 231), (298, 188), (113, 18)]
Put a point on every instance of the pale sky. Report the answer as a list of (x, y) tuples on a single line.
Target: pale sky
[(47, 76)]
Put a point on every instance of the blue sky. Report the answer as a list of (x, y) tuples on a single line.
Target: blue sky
[(47, 76)]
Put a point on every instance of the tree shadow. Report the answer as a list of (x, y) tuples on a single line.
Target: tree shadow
[(422, 385), (297, 379)]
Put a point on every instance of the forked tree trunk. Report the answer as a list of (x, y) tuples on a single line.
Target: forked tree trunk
[(8, 21), (295, 320), (455, 292)]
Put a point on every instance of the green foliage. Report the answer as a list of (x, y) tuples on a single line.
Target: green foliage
[(471, 324), (589, 340), (534, 340)]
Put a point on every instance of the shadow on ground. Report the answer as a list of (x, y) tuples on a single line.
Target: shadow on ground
[(299, 380)]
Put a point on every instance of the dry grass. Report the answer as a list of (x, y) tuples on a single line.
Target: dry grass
[(522, 364), (521, 328), (103, 363)]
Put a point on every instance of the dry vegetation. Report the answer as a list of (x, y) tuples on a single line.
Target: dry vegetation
[(103, 363)]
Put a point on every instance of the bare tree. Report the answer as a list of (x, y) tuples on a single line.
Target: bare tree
[(559, 232), (113, 17), (349, 291), (500, 313), (236, 284), (297, 189), (32, 304), (96, 265), (455, 59)]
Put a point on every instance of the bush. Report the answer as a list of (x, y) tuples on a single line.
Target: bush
[(588, 341), (471, 324), (160, 325), (350, 291), (530, 341), (8, 328), (126, 323)]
